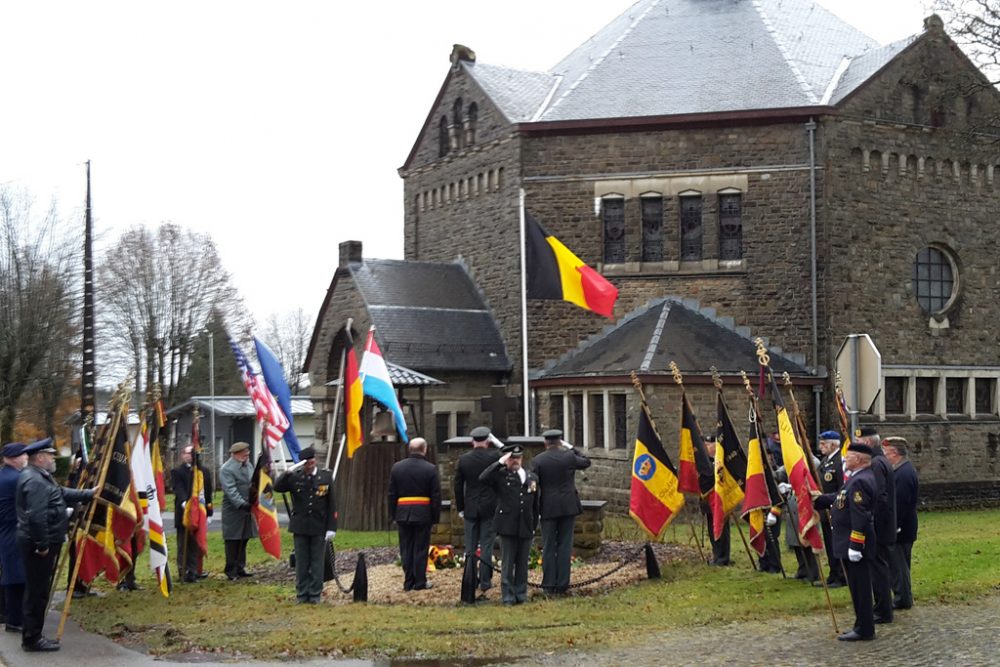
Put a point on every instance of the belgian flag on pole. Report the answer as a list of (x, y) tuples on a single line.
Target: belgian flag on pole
[(655, 500), (353, 396), (757, 499), (554, 272), (730, 470), (696, 472)]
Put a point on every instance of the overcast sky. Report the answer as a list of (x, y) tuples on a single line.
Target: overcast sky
[(277, 127)]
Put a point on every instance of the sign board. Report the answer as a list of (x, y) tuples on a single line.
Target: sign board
[(859, 364)]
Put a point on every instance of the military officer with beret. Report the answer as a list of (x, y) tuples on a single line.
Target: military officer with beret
[(415, 505), (831, 478), (854, 535), (560, 504), (516, 520), (476, 502), (238, 525), (42, 522), (313, 521)]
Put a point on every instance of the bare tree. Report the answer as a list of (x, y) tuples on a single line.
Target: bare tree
[(159, 289), (287, 334), (975, 26), (37, 306)]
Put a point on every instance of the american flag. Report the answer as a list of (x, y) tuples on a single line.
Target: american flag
[(269, 414)]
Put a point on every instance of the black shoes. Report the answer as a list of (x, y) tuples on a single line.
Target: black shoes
[(897, 605), (13, 628), (41, 644), (190, 578), (244, 573), (882, 620), (426, 587), (853, 636), (79, 595), (124, 586), (202, 575)]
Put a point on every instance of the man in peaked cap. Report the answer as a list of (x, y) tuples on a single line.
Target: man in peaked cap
[(476, 502), (42, 522), (11, 568), (238, 524), (854, 535), (885, 525), (560, 504), (831, 478), (516, 520)]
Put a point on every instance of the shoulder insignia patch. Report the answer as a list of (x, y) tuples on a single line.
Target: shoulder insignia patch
[(857, 498), (828, 477)]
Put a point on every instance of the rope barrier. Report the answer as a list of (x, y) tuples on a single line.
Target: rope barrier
[(628, 559)]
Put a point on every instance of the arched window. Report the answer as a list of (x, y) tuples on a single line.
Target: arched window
[(935, 278), (456, 121), (470, 131), (443, 142)]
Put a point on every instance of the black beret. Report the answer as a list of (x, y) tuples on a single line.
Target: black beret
[(307, 453), (480, 433), (552, 434), (866, 431), (860, 448)]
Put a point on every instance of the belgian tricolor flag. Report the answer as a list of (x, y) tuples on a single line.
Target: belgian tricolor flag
[(757, 498), (696, 472), (262, 505), (655, 500), (730, 470), (353, 396), (554, 272)]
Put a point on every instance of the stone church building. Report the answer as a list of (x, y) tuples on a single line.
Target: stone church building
[(737, 169)]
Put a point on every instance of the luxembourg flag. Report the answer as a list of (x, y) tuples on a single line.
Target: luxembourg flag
[(375, 382)]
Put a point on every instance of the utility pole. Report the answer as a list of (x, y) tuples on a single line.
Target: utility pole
[(88, 395)]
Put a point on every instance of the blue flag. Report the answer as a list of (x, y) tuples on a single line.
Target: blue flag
[(274, 376)]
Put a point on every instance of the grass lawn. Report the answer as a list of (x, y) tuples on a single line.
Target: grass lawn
[(954, 559)]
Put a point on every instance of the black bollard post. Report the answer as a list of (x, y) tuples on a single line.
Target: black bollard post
[(360, 584), (469, 579), (652, 567)]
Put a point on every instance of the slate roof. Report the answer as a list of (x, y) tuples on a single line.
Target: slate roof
[(666, 330), (669, 57), (430, 315), (237, 406), (862, 68), (402, 377)]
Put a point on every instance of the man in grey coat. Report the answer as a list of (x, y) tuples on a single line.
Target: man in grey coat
[(238, 525)]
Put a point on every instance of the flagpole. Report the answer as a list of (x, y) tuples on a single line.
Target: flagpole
[(526, 398), (336, 401)]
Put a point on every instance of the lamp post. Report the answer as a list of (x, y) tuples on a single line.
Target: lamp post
[(211, 393)]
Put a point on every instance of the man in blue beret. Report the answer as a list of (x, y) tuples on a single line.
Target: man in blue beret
[(11, 569), (831, 478), (42, 522)]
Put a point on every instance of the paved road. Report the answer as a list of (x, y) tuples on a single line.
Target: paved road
[(959, 635), (215, 522)]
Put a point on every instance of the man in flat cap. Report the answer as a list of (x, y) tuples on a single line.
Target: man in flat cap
[(854, 535), (42, 521), (516, 520), (181, 480), (11, 568), (313, 522), (238, 525), (885, 525), (907, 486), (831, 478), (560, 504), (415, 505), (476, 502)]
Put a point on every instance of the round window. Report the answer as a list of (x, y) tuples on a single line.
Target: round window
[(934, 279)]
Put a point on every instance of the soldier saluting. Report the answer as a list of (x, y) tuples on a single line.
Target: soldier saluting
[(476, 502)]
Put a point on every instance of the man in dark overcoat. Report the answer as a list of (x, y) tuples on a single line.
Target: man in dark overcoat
[(907, 486), (476, 503), (189, 557), (831, 478), (11, 568), (415, 505)]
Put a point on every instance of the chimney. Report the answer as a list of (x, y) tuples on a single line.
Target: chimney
[(350, 253)]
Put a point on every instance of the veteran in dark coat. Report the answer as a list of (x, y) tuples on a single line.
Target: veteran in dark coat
[(560, 504), (313, 521), (42, 523), (476, 502), (415, 505), (831, 478), (238, 525), (181, 480), (907, 486), (516, 520), (885, 526), (11, 568), (854, 535)]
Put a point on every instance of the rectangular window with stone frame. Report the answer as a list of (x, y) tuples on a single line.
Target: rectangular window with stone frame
[(556, 412), (620, 433), (925, 395), (985, 389), (954, 396), (576, 413), (613, 218), (895, 395), (652, 227), (730, 226), (442, 426), (691, 227), (596, 405)]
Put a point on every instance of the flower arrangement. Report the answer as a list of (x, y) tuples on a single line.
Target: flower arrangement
[(443, 557), (535, 558)]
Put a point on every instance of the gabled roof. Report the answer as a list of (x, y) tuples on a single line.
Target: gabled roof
[(865, 66), (673, 57), (236, 406), (665, 330), (401, 376), (430, 315)]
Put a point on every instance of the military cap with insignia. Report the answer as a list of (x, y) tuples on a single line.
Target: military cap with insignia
[(553, 434), (41, 446), (480, 433), (513, 450), (12, 450)]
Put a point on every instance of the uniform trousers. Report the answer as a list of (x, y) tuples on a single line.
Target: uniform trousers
[(859, 580), (836, 566), (414, 543), (187, 553), (38, 577), (236, 557), (902, 593), (310, 553), (720, 547), (771, 560), (514, 553), (881, 573), (481, 533), (14, 604), (557, 551)]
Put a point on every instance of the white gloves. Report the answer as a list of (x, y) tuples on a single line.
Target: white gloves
[(784, 488), (771, 519), (566, 444), (297, 466), (183, 505), (461, 515), (69, 512), (330, 534), (495, 441), (504, 458), (853, 555)]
